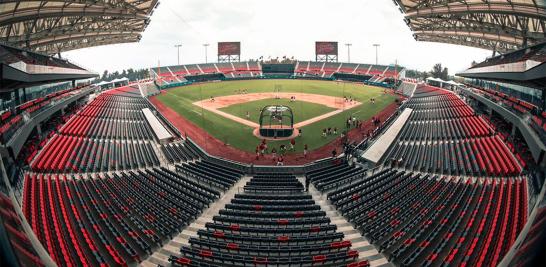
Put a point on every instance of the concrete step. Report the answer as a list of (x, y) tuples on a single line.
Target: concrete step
[(360, 243), (166, 251), (380, 262), (155, 260)]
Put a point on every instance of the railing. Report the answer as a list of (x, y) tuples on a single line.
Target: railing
[(18, 139), (533, 140), (41, 69)]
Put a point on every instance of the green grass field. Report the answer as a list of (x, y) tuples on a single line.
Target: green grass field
[(302, 110), (180, 99)]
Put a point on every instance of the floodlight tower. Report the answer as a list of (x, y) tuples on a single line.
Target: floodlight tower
[(178, 52), (206, 46), (376, 46), (348, 52)]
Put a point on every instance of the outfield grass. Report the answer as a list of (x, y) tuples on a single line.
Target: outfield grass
[(302, 110), (180, 99)]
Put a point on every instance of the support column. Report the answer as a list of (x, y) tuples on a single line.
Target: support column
[(25, 98), (17, 98), (39, 129)]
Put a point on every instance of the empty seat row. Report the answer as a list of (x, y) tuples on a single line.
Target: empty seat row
[(12, 226), (78, 154), (273, 181), (112, 99), (447, 101), (112, 113), (451, 140), (445, 129), (9, 127), (274, 226), (478, 156), (424, 220), (178, 152), (441, 113), (211, 173), (424, 90), (95, 127), (113, 219), (334, 176)]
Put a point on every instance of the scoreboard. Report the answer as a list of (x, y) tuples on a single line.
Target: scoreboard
[(326, 48), (229, 48)]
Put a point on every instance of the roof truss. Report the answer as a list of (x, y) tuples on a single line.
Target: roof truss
[(37, 24), (504, 24)]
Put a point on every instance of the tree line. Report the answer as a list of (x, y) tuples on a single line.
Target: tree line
[(130, 73), (437, 72)]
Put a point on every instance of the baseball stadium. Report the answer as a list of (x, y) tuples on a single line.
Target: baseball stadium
[(271, 161)]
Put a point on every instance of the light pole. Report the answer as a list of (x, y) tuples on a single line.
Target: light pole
[(206, 46), (376, 46), (348, 52), (178, 52)]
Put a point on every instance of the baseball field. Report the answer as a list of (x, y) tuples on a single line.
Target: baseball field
[(229, 110)]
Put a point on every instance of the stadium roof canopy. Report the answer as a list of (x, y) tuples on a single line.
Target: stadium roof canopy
[(54, 26), (497, 25)]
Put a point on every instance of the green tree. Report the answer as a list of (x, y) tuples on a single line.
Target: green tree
[(445, 74), (436, 71)]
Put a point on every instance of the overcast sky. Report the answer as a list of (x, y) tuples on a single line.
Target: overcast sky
[(276, 28)]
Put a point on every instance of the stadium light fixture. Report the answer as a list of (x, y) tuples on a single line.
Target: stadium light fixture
[(376, 46), (348, 52), (178, 52), (206, 56)]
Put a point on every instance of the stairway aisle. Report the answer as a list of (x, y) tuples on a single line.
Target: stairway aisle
[(360, 243)]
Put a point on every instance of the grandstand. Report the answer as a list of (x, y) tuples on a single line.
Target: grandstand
[(139, 175), (244, 70)]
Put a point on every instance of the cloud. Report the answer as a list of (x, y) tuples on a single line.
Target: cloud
[(277, 28)]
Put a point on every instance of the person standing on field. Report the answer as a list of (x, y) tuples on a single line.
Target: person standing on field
[(293, 144)]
